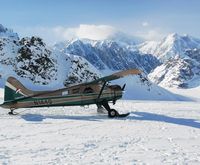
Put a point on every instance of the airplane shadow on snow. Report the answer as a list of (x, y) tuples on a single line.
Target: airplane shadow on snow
[(146, 116), (39, 117), (141, 116)]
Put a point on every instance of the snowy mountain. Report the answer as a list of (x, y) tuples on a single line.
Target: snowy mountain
[(32, 59), (172, 62), (180, 57), (40, 67), (109, 54), (170, 46)]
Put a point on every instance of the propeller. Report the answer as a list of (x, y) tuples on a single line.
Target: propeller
[(123, 87)]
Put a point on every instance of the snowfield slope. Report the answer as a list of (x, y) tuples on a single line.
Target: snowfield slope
[(154, 133)]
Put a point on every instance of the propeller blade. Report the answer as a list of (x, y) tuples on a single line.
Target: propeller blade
[(123, 87)]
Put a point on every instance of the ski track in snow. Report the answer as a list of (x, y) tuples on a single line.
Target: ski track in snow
[(154, 133)]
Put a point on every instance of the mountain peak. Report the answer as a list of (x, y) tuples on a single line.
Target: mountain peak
[(171, 38), (2, 29), (174, 35), (7, 33), (172, 45)]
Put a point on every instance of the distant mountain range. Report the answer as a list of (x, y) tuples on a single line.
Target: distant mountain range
[(109, 54), (172, 62)]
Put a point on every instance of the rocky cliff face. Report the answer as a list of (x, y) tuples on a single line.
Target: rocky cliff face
[(34, 61), (28, 58), (80, 71)]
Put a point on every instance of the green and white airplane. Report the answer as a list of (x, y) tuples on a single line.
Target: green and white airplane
[(97, 92)]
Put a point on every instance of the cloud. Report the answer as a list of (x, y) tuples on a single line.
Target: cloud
[(145, 24), (95, 32), (151, 34), (60, 33), (51, 35)]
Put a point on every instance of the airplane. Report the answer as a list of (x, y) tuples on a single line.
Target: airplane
[(98, 92)]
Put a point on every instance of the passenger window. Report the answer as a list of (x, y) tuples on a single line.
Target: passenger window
[(64, 93)]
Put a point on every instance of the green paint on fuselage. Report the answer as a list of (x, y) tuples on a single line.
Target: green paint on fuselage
[(77, 99)]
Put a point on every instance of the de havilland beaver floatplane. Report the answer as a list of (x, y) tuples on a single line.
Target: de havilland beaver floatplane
[(97, 92)]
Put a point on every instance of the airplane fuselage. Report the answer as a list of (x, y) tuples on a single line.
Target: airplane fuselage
[(77, 95)]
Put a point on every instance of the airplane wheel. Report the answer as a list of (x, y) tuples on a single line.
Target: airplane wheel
[(112, 113)]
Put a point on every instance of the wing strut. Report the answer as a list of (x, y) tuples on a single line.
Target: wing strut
[(102, 88)]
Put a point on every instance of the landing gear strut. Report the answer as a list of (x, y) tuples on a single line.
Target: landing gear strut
[(112, 112), (101, 110)]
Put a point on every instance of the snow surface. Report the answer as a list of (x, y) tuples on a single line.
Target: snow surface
[(1, 94), (156, 132), (137, 90), (192, 93)]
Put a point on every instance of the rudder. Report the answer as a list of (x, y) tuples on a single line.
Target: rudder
[(13, 90)]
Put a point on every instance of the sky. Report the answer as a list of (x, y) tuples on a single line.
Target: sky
[(55, 20)]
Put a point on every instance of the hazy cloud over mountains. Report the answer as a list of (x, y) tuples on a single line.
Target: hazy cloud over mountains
[(90, 31)]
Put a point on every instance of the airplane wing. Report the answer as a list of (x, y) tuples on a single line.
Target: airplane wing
[(115, 76)]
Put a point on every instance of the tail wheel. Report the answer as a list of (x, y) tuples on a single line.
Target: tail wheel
[(11, 111), (112, 113)]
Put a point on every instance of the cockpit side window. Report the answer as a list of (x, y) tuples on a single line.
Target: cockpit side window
[(88, 90)]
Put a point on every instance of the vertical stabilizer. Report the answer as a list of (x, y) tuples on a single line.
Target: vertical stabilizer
[(12, 90)]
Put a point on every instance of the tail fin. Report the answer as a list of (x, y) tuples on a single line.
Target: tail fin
[(14, 90)]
